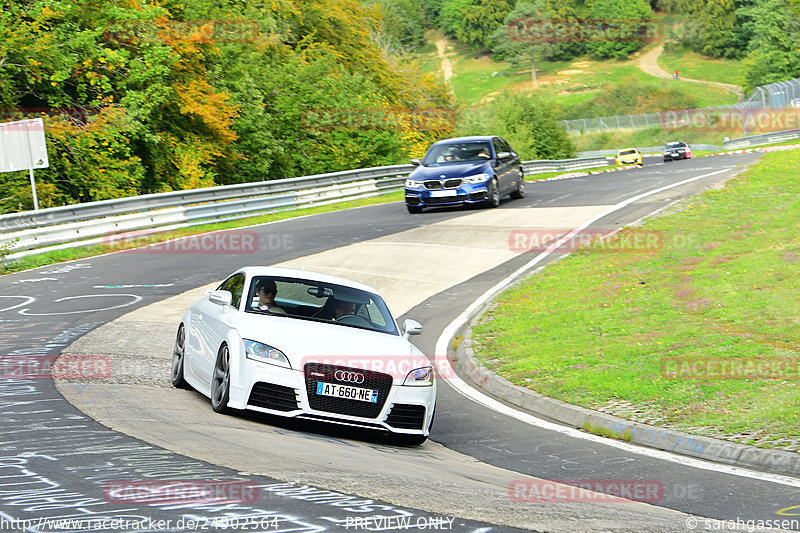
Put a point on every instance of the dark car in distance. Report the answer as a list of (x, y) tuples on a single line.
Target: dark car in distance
[(463, 171), (677, 150)]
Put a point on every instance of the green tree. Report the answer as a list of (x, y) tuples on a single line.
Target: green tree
[(616, 11), (775, 46), (717, 28), (154, 95), (474, 21), (517, 42), (526, 122)]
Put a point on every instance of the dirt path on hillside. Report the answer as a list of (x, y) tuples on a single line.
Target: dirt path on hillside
[(649, 64), (447, 67)]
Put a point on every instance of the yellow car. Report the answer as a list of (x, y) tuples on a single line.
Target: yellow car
[(629, 156)]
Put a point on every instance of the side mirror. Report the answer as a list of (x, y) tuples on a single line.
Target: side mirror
[(416, 162), (220, 297), (411, 327), (503, 155)]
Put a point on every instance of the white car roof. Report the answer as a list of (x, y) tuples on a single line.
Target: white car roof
[(304, 274)]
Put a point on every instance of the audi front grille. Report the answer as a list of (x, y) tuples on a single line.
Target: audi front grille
[(316, 372)]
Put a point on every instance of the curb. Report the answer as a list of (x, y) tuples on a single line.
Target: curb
[(582, 174), (710, 449), (763, 149)]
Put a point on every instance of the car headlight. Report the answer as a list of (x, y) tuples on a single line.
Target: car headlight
[(258, 351), (420, 377), (413, 184), (477, 178)]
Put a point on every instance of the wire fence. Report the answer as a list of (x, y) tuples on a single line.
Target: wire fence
[(761, 106)]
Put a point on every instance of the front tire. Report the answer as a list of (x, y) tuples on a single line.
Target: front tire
[(494, 194), (178, 355), (520, 192), (221, 381), (414, 209)]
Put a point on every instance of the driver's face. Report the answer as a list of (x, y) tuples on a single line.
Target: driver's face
[(345, 308)]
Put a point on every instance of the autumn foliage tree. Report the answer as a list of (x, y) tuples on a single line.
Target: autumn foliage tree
[(144, 96)]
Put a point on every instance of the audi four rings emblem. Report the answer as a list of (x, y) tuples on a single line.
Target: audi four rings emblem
[(352, 377)]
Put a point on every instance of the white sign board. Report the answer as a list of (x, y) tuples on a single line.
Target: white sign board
[(22, 145)]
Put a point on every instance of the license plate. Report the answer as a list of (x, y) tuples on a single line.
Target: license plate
[(346, 391), (444, 193)]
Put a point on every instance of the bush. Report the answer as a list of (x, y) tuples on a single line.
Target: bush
[(525, 122)]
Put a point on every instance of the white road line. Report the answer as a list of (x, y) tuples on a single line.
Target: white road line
[(478, 397)]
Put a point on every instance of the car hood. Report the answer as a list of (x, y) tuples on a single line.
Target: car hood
[(305, 341), (453, 170)]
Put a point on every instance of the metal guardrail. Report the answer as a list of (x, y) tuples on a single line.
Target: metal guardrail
[(649, 150), (120, 206), (95, 222), (764, 138), (779, 95), (542, 166)]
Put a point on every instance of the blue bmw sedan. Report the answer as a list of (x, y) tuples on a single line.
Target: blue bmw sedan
[(465, 170)]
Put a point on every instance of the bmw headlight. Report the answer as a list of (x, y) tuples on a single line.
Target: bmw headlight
[(420, 377), (413, 184), (477, 178), (258, 351)]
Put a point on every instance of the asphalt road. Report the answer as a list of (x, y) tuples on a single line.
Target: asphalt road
[(50, 450)]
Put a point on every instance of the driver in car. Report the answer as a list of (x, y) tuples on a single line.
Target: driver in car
[(266, 292), (342, 308)]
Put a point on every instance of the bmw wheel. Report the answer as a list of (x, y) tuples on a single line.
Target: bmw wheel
[(520, 192), (221, 381), (414, 209), (177, 359), (494, 194)]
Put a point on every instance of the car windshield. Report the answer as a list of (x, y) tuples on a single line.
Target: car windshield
[(675, 145), (320, 302), (440, 154), (627, 152)]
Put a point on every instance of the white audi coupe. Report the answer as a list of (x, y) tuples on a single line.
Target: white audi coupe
[(301, 344)]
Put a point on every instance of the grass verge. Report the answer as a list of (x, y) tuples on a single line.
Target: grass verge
[(602, 329), (698, 67), (59, 256)]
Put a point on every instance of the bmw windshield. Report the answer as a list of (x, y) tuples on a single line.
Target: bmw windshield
[(442, 154)]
